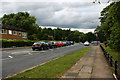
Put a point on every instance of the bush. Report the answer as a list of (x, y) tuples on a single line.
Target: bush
[(17, 43)]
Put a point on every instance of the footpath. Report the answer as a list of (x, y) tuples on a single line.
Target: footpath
[(92, 66)]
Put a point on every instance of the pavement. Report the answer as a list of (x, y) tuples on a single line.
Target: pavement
[(92, 66)]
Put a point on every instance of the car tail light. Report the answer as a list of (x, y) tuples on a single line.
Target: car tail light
[(40, 45)]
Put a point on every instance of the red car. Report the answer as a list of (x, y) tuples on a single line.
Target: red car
[(59, 44)]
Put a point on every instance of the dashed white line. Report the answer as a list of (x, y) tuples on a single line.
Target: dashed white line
[(43, 51), (10, 56), (51, 49)]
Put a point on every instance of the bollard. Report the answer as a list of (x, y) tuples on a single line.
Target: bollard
[(115, 67), (111, 62)]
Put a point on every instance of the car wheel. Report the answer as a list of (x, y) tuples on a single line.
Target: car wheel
[(39, 49), (33, 49)]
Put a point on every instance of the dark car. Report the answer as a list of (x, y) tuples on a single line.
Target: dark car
[(39, 46), (47, 45), (55, 44), (52, 44), (65, 43)]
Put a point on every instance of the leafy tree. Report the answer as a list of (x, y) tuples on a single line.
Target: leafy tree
[(90, 37), (21, 20), (100, 33), (110, 24)]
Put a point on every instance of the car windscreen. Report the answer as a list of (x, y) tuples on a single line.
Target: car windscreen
[(36, 43)]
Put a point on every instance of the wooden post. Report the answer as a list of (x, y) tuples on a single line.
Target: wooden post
[(111, 62), (115, 67), (108, 57)]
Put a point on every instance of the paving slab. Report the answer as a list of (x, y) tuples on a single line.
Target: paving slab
[(92, 66)]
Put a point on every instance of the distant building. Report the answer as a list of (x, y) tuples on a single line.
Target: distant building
[(12, 33)]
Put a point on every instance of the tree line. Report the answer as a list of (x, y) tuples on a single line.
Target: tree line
[(110, 25), (23, 20)]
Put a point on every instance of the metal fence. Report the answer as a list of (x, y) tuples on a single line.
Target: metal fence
[(112, 62)]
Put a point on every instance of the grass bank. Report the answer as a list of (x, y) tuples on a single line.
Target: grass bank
[(55, 68), (115, 54)]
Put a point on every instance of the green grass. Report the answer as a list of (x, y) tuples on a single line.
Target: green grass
[(55, 68), (115, 54)]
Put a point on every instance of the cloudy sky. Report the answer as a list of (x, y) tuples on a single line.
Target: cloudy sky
[(75, 14)]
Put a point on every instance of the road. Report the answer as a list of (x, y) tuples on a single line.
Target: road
[(15, 61)]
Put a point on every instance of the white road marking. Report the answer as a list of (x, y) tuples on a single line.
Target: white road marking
[(29, 53), (10, 56), (51, 49), (21, 52), (68, 46), (43, 51)]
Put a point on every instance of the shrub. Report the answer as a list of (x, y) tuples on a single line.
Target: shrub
[(17, 43)]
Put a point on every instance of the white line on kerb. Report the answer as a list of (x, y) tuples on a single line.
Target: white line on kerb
[(10, 56), (115, 77)]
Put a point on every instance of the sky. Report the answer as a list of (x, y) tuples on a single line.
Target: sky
[(79, 15)]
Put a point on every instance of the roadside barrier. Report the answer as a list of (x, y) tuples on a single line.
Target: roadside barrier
[(112, 62)]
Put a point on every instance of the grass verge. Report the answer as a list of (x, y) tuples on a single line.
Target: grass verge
[(55, 68), (115, 54)]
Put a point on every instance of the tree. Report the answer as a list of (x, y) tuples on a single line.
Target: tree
[(100, 33), (110, 24), (90, 37), (21, 20)]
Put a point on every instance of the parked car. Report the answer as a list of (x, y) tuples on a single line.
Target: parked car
[(47, 45), (59, 44), (55, 44), (64, 43), (86, 43), (39, 46), (52, 44), (72, 43), (69, 43)]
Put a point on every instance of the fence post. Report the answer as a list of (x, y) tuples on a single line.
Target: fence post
[(108, 57), (115, 67), (111, 62)]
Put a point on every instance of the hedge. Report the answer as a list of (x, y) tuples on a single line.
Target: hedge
[(17, 43)]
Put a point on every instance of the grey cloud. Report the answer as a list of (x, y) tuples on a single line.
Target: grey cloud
[(57, 14)]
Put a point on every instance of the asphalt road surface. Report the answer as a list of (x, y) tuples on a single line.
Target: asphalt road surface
[(15, 61)]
